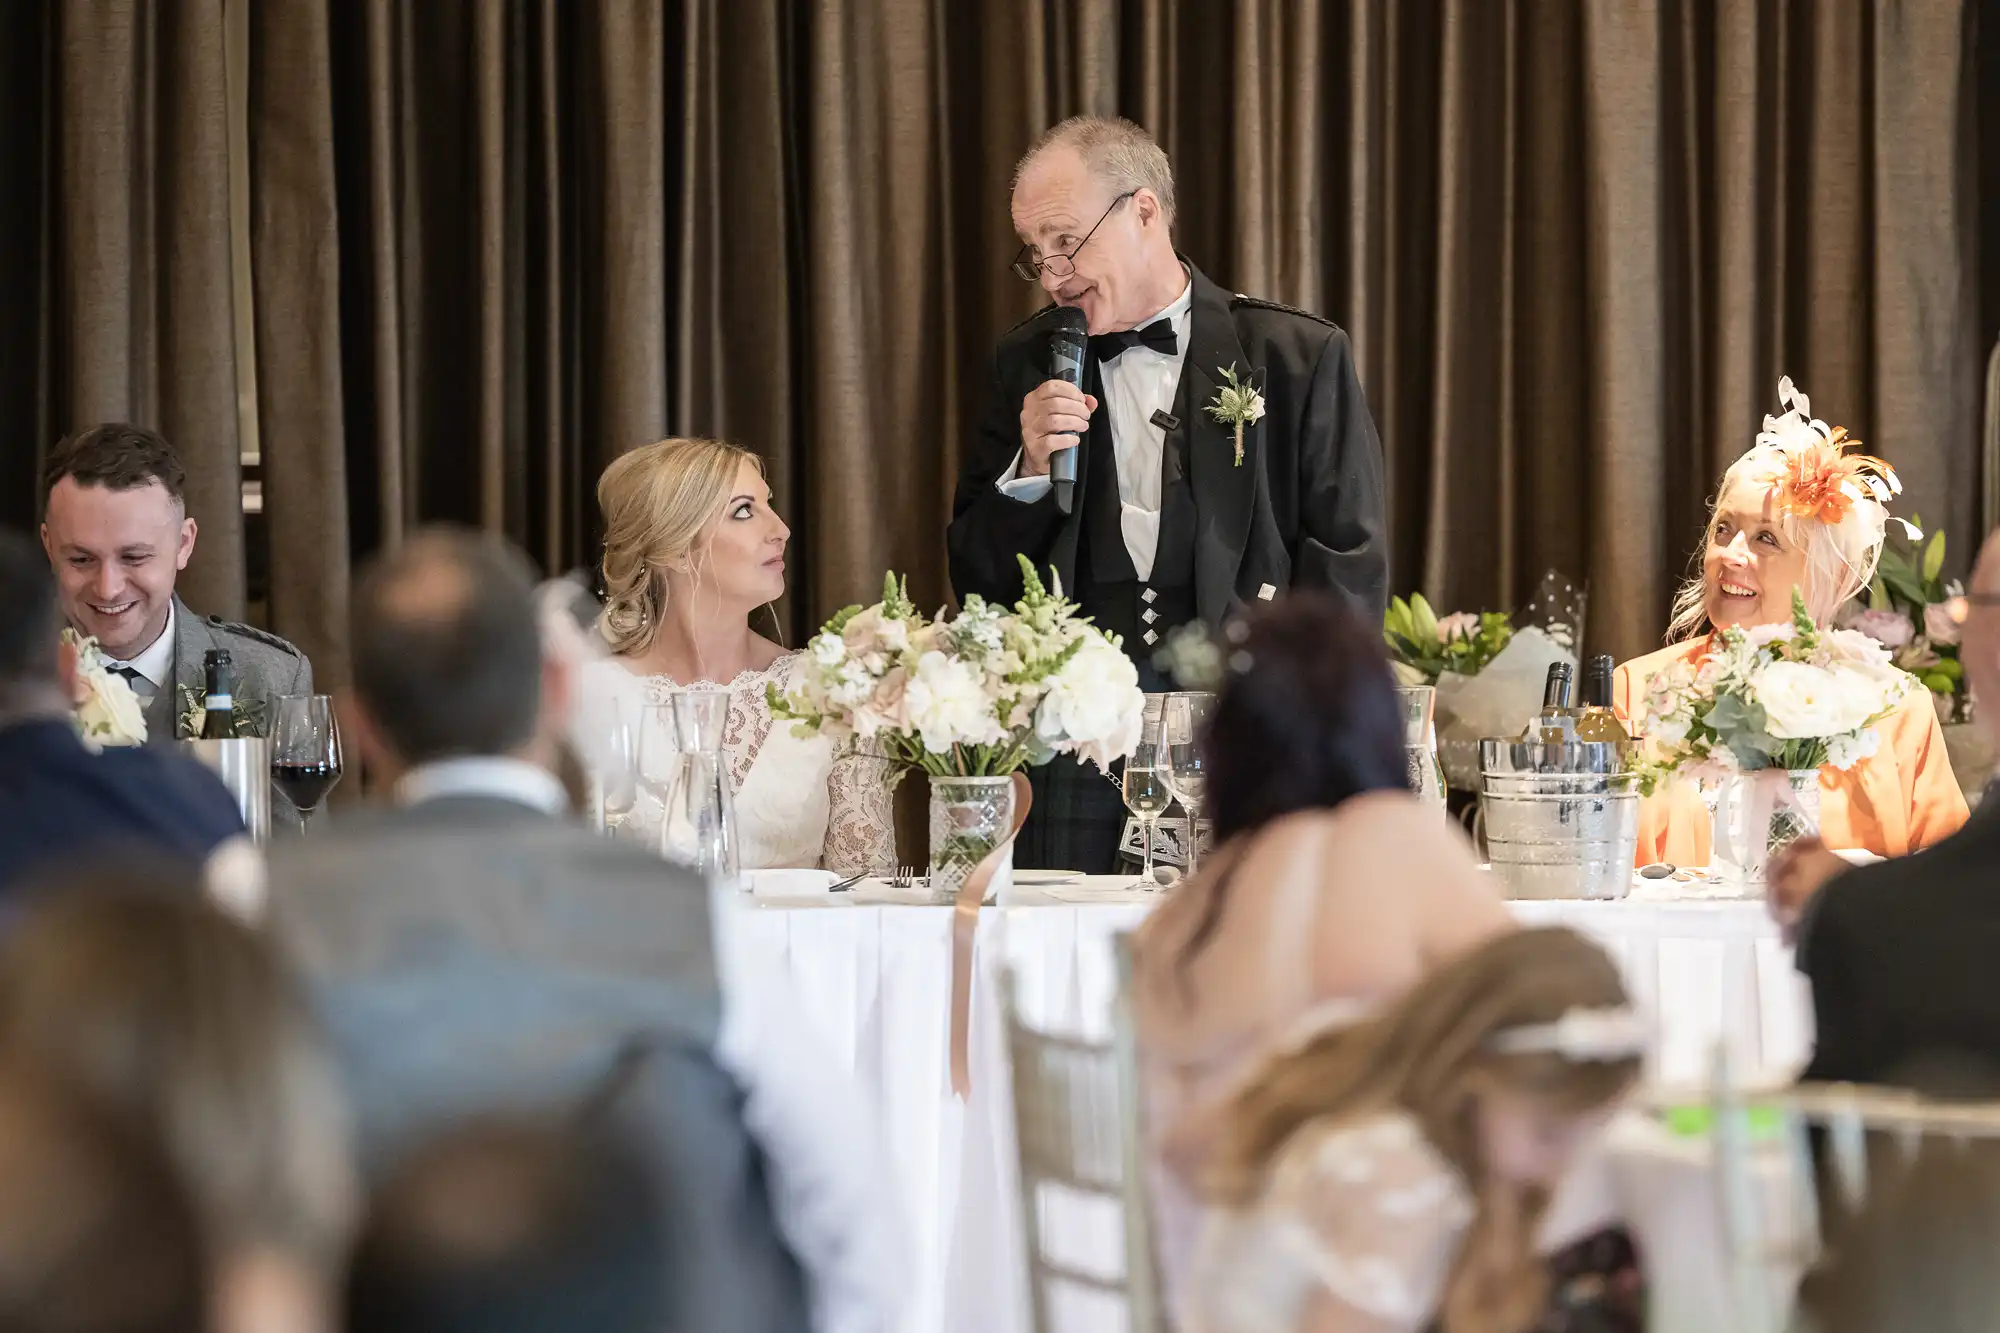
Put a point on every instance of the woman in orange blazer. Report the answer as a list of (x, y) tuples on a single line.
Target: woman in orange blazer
[(1798, 511)]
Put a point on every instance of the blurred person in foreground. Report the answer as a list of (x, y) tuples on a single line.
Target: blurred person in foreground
[(117, 532), (97, 1234), (1392, 1176), (185, 1019), (513, 1227), (61, 799), (1900, 954), (475, 950), (1332, 889), (1919, 1255)]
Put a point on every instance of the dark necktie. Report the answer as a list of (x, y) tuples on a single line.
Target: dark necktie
[(142, 687), (1159, 335)]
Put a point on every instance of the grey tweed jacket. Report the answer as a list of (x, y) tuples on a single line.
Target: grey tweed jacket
[(469, 954)]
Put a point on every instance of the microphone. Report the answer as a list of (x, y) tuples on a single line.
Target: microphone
[(1066, 364)]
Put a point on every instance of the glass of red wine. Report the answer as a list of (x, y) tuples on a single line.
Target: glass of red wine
[(305, 751)]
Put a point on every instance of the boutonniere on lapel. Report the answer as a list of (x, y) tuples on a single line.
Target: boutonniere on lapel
[(1237, 404), (247, 713)]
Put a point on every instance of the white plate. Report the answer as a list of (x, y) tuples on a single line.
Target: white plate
[(791, 883), (1047, 876)]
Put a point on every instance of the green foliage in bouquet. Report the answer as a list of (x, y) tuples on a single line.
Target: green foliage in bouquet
[(1909, 584), (1462, 644)]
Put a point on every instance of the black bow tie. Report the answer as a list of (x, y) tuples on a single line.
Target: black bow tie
[(1159, 335)]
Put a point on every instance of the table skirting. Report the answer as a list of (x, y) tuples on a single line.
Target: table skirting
[(874, 976)]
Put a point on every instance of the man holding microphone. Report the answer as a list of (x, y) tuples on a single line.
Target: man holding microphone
[(1220, 447)]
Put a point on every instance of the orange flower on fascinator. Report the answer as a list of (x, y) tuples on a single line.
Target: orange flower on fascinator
[(1822, 480)]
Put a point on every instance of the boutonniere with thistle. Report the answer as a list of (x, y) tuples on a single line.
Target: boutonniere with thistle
[(1237, 404), (247, 713)]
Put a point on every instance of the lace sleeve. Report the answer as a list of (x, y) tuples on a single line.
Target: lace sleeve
[(1358, 1225), (861, 814)]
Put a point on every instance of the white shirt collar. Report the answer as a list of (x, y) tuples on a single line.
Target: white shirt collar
[(496, 776), (156, 663), (1175, 308)]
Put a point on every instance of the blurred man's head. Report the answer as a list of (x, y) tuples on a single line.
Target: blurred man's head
[(37, 670), (1107, 182), (1979, 637), (448, 659), (116, 529), (512, 1229), (96, 1233)]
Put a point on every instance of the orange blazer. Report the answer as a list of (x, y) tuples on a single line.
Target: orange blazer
[(1897, 801)]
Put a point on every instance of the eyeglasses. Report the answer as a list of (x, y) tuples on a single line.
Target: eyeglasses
[(1960, 608), (1029, 269)]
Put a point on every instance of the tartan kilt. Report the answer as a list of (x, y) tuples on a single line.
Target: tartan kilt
[(1076, 821)]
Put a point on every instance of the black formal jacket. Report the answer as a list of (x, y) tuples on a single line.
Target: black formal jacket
[(1901, 957), (61, 802), (1305, 509)]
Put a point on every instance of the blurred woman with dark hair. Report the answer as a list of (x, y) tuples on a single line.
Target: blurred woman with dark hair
[(185, 1020), (1331, 890)]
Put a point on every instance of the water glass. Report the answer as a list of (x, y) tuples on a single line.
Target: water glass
[(699, 829)]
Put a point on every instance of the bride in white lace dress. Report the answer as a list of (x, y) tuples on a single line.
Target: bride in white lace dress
[(692, 549), (1390, 1176)]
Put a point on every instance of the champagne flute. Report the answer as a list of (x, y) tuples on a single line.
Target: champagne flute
[(1145, 784), (618, 784), (1183, 727), (306, 758), (656, 752)]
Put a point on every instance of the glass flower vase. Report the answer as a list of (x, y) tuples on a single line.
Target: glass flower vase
[(969, 818), (1756, 816)]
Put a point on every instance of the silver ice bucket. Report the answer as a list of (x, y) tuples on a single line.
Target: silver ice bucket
[(244, 765), (1561, 821)]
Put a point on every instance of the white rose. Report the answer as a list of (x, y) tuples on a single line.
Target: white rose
[(1094, 706), (947, 707), (1805, 702), (110, 711)]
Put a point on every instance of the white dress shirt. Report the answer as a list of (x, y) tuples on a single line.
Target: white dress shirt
[(829, 1172), (1137, 383), (495, 776), (156, 663)]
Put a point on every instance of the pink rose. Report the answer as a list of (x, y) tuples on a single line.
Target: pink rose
[(1457, 625), (1891, 629), (1939, 625)]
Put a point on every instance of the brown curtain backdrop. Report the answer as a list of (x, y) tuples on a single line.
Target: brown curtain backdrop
[(495, 242)]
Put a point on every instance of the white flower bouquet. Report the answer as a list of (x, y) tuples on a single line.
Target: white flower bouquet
[(107, 711), (980, 695), (1791, 697)]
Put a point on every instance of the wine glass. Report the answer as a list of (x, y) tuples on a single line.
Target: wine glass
[(306, 759), (1145, 784), (1183, 728)]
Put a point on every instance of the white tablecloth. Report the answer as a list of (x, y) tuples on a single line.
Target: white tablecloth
[(875, 975)]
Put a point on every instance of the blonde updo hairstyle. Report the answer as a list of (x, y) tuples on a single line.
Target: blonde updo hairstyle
[(1841, 556), (657, 501)]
